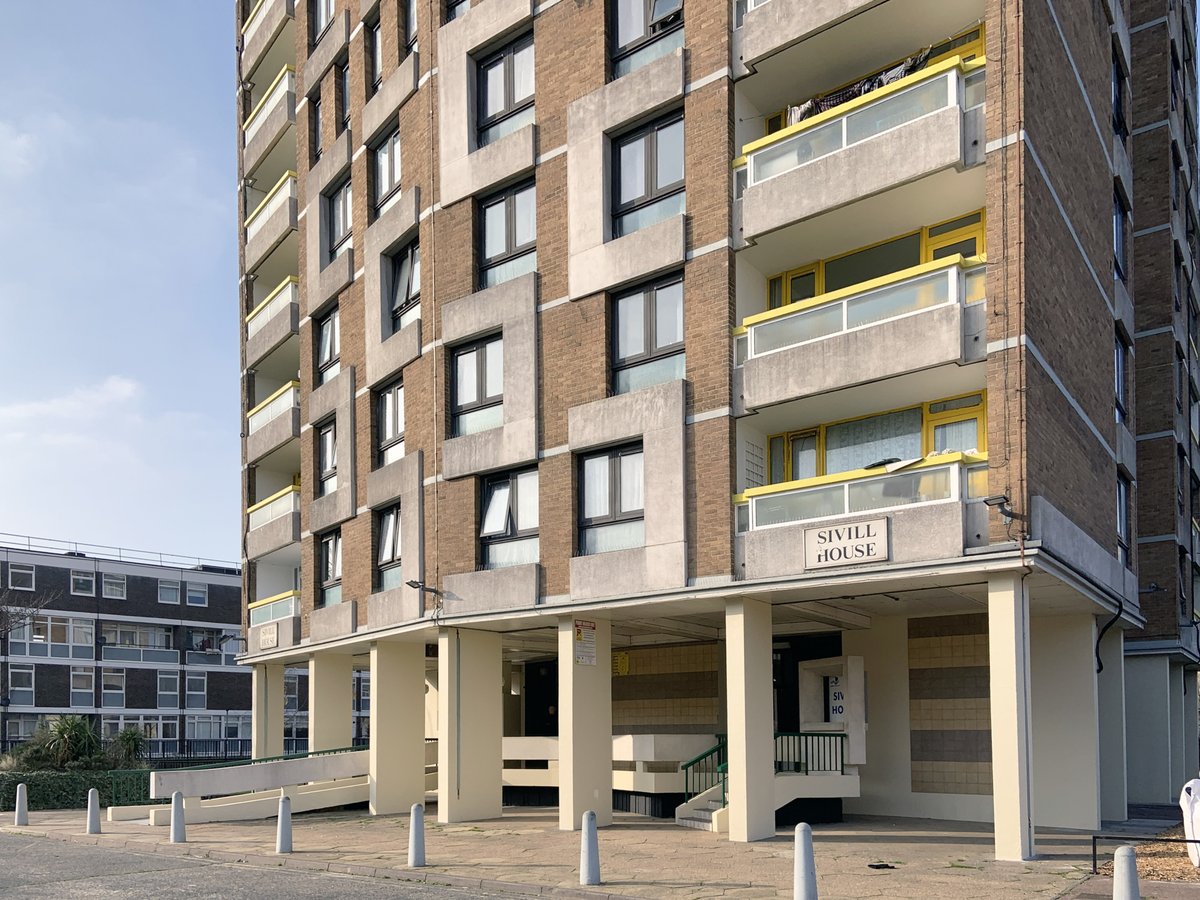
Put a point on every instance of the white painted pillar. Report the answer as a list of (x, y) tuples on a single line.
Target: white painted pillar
[(1148, 729), (1191, 728), (1066, 721), (1008, 647), (1179, 776), (470, 725), (330, 701), (1114, 795), (751, 790), (397, 749), (584, 721), (266, 736)]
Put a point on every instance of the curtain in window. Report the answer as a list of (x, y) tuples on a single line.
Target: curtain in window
[(962, 435), (855, 445)]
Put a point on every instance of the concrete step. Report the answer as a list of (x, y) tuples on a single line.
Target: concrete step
[(690, 822)]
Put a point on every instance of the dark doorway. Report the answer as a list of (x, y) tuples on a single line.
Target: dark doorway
[(788, 653), (541, 698)]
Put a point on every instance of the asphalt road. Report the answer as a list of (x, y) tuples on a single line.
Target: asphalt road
[(34, 867)]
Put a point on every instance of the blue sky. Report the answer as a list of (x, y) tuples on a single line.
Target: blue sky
[(118, 275)]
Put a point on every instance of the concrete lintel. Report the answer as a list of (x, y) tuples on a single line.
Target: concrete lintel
[(327, 50), (382, 108)]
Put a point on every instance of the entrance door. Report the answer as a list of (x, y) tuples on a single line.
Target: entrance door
[(789, 652), (541, 698)]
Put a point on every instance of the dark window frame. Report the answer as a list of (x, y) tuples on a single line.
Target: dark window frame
[(402, 298), (375, 54), (1120, 237), (654, 193), (504, 55), (482, 401), (382, 444), (649, 292), (453, 9), (1124, 520), (333, 320), (326, 457), (614, 514), (1120, 93), (344, 93), (314, 121), (329, 543), (392, 143), (507, 196), (655, 29), (511, 532), (410, 25), (316, 30), (395, 557), (341, 198), (1121, 377)]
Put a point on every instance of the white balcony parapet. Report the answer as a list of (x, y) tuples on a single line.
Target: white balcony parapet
[(909, 292), (276, 506), (138, 653), (257, 16), (287, 292), (270, 609), (283, 191), (939, 478), (910, 98), (287, 397), (284, 84)]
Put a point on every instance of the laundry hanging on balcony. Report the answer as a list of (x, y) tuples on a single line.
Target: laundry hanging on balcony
[(810, 108)]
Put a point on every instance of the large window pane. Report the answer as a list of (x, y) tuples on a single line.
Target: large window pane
[(523, 73), (495, 516), (595, 487), (956, 436), (804, 456), (855, 445), (527, 501), (631, 340), (873, 262), (670, 154), (633, 176), (618, 536), (631, 21), (668, 315), (493, 88), (657, 371), (525, 218), (494, 230), (466, 389), (494, 368), (631, 482)]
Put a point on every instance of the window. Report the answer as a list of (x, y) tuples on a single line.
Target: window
[(322, 15), (505, 90), (1120, 251), (329, 347), (197, 594), (389, 423), (197, 690), (341, 203), (508, 527), (1123, 530), (943, 426), (375, 48), (387, 170), (291, 691), (1118, 99), (648, 335), (20, 577), (455, 8), (20, 685), (611, 515), (326, 459), (405, 287), (643, 31), (478, 386), (314, 119), (344, 93), (1120, 376), (168, 592), (130, 634), (648, 175), (112, 687), (112, 587), (83, 584), (509, 234), (83, 686), (410, 25), (330, 561), (387, 558), (57, 637), (168, 690)]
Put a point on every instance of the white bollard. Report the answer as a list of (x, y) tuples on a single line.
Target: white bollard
[(589, 851), (22, 809), (178, 826), (416, 836), (283, 831), (93, 817), (1125, 877), (804, 871)]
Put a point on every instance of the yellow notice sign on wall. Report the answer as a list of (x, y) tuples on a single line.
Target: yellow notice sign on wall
[(620, 663)]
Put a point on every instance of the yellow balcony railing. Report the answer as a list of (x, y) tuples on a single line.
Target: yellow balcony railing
[(287, 397), (277, 505), (286, 293), (269, 609), (284, 190), (941, 477), (284, 83)]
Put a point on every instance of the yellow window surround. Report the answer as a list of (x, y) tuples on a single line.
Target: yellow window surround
[(944, 234), (929, 420), (290, 489), (286, 595), (289, 280), (941, 459), (271, 193), (275, 394), (283, 73), (967, 44)]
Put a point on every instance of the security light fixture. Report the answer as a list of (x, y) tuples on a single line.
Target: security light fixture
[(1000, 502)]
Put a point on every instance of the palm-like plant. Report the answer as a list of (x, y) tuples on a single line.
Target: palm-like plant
[(129, 746), (71, 738)]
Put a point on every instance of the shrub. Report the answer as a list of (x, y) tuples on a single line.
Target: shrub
[(126, 751), (56, 790), (71, 740)]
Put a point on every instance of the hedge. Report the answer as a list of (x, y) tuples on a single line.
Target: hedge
[(69, 790)]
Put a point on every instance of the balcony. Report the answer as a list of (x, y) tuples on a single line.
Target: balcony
[(273, 422), (268, 36), (274, 622), (271, 220), (273, 322), (273, 523), (270, 609), (926, 510), (266, 127), (909, 147), (139, 653), (919, 318)]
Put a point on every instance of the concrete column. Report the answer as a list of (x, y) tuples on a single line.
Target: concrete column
[(1008, 647), (1148, 729), (397, 727), (470, 725), (1178, 775), (584, 721), (1191, 728), (267, 711), (330, 701), (1114, 798), (751, 790), (1066, 721)]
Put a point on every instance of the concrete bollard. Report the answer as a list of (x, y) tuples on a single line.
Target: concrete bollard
[(178, 825), (283, 831), (589, 851), (22, 810), (416, 836), (804, 871), (93, 815), (1125, 877)]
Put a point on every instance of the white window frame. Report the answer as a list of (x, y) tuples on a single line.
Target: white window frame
[(23, 569), (170, 677), (190, 692), (105, 673), (82, 576), (169, 585), (109, 582), (197, 590), (88, 672), (15, 670)]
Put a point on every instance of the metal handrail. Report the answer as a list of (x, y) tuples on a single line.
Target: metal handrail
[(705, 771), (33, 544), (267, 759), (810, 751)]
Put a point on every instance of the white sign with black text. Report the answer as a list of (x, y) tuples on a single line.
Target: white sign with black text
[(846, 545)]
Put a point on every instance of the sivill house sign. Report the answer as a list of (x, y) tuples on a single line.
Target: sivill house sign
[(846, 545)]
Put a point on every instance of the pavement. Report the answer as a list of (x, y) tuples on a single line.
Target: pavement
[(524, 853)]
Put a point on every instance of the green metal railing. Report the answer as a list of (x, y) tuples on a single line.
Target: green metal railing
[(130, 787), (810, 751), (705, 771)]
